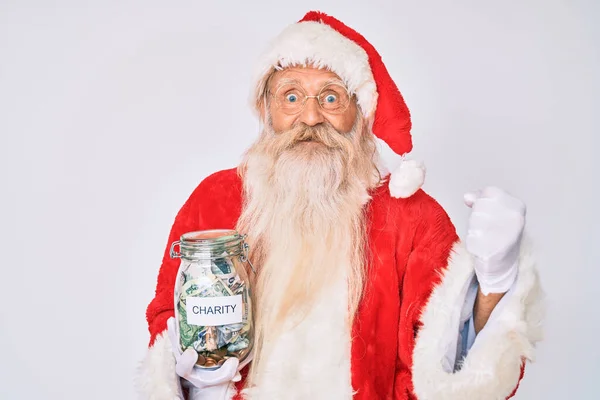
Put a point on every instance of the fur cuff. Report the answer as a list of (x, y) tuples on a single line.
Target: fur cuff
[(492, 368), (156, 378)]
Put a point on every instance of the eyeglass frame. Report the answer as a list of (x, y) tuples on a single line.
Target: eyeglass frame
[(307, 97)]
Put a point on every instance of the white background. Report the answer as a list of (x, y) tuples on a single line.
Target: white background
[(111, 113)]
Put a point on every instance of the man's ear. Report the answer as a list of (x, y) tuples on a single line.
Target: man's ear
[(262, 102)]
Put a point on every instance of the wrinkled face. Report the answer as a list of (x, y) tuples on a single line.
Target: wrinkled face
[(292, 83)]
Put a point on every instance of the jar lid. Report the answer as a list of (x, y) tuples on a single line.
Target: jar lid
[(208, 244), (220, 236)]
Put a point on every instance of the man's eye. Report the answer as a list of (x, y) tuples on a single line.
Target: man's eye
[(291, 98), (330, 98)]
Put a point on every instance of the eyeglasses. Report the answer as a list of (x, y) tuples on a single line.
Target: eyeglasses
[(333, 98)]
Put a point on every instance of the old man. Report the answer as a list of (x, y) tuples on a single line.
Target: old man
[(363, 288)]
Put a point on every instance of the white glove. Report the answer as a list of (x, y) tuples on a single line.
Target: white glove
[(203, 384), (494, 237)]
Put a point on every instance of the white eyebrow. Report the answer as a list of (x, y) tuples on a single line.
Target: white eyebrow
[(285, 81), (335, 80)]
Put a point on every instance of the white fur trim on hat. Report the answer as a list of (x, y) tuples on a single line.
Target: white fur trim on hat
[(407, 178), (314, 43)]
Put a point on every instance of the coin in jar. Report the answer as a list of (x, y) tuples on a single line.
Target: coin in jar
[(210, 362)]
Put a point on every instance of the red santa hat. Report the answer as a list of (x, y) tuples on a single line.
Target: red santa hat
[(325, 42)]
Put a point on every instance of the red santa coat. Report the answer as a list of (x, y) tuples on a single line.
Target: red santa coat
[(415, 287)]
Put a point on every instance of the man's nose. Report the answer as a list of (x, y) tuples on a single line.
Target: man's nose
[(312, 114)]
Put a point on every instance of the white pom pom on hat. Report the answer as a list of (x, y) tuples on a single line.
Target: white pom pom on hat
[(407, 178)]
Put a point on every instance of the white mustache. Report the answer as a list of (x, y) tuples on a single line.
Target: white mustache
[(324, 134)]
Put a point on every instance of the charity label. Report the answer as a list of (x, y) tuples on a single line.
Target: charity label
[(214, 311)]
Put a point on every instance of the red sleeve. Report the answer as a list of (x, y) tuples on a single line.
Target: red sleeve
[(215, 204), (161, 307), (428, 251), (426, 260)]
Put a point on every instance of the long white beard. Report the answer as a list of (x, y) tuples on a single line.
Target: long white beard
[(304, 216)]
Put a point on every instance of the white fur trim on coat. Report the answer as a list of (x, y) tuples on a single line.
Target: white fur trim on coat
[(318, 44), (492, 367), (156, 378)]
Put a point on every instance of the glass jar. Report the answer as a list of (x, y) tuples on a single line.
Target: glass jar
[(213, 308)]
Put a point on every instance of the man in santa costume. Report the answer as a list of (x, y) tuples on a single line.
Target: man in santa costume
[(363, 288)]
